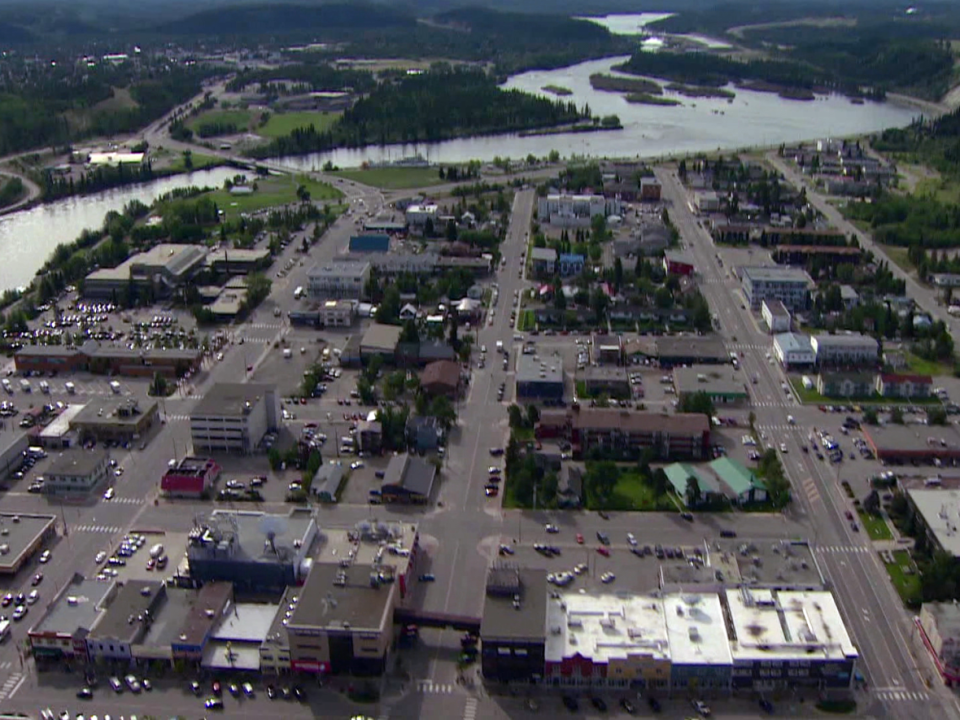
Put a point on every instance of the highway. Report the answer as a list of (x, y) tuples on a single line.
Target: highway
[(879, 625)]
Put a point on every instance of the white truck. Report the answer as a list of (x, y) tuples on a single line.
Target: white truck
[(499, 346), (25, 386), (115, 386)]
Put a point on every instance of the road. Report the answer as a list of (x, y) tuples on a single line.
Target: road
[(875, 617), (924, 296)]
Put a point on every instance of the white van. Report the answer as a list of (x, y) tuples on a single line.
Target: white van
[(70, 387), (287, 353), (298, 293), (25, 386), (115, 386), (156, 551), (44, 387)]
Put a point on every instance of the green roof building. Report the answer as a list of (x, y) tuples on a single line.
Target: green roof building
[(745, 486), (679, 473)]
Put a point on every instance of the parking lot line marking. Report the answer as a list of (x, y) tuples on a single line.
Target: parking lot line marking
[(16, 687)]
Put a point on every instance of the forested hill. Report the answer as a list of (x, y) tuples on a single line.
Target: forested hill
[(438, 105), (285, 18)]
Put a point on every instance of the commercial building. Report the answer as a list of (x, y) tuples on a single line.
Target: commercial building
[(253, 550), (540, 378), (108, 360), (575, 210), (200, 613), (64, 627), (57, 434), (23, 534), (776, 316), (845, 385), (899, 385), (370, 243), (380, 340), (417, 216), (344, 279), (688, 350), (607, 349), (650, 189), (115, 418), (342, 622), (676, 262), (370, 436), (125, 621), (190, 478), (794, 350), (544, 262), (680, 476), (939, 625), (513, 629), (336, 313), (327, 480), (936, 514), (408, 479), (159, 270), (707, 201), (12, 447), (76, 471), (234, 417), (605, 380), (791, 286), (849, 349), (622, 434), (920, 443), (423, 433), (723, 384), (236, 261)]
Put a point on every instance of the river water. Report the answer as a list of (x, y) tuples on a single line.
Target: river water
[(29, 237)]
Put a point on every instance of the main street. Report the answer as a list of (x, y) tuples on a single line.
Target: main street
[(875, 616)]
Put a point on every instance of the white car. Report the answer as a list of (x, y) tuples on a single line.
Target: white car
[(108, 495), (45, 557), (631, 539), (356, 465), (783, 447), (550, 528), (33, 597), (607, 578), (101, 556), (493, 470)]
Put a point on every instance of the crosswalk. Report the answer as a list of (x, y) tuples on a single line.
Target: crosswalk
[(108, 529), (470, 709), (6, 665), (773, 403), (901, 696), (262, 326), (10, 686), (841, 549), (779, 429), (747, 346), (431, 688), (126, 501), (172, 417), (810, 490)]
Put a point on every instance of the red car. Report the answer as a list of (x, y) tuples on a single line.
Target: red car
[(217, 690), (492, 491), (603, 551), (579, 539)]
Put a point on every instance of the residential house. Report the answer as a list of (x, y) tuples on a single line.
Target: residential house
[(544, 262), (845, 385), (898, 385), (441, 378), (423, 433)]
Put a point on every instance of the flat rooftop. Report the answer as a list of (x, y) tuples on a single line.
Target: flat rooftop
[(246, 622), (343, 597), (932, 440), (24, 535), (940, 510), (605, 626), (170, 618), (704, 347), (501, 620), (79, 463), (61, 424), (368, 543), (776, 273), (775, 563), (721, 380), (230, 399), (77, 607), (540, 368), (786, 625), (251, 534), (696, 629), (133, 601), (340, 268), (114, 410)]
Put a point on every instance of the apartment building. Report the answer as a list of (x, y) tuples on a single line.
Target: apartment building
[(575, 210), (346, 279), (849, 349), (624, 434), (791, 286)]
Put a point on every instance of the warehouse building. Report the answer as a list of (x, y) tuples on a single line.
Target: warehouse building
[(23, 534), (161, 270), (723, 384), (794, 350), (776, 316)]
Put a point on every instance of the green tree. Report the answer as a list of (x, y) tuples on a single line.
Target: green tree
[(372, 370), (600, 479), (410, 333), (698, 402), (896, 415), (258, 289), (158, 386), (870, 416), (443, 410), (937, 416), (660, 482), (188, 159), (367, 394), (515, 414), (533, 415)]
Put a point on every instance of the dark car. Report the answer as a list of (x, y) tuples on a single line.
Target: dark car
[(299, 693), (687, 516), (654, 704), (213, 703), (271, 692), (570, 703), (628, 707), (766, 706), (427, 577), (603, 537), (85, 693), (599, 703), (728, 533)]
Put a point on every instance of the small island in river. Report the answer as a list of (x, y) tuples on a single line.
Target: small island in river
[(649, 99), (701, 91), (557, 90), (611, 83)]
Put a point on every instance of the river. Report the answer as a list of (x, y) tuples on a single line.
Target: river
[(30, 236), (700, 124)]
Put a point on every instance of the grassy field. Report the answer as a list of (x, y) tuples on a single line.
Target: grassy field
[(875, 526), (199, 161), (281, 124), (899, 256), (943, 189), (631, 493), (807, 396), (908, 586), (240, 118), (272, 192), (527, 321), (394, 178), (927, 367), (812, 397)]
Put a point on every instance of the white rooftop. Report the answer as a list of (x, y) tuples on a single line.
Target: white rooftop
[(605, 626), (696, 630), (775, 625), (61, 425)]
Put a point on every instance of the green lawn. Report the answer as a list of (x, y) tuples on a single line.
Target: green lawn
[(198, 160), (271, 192), (394, 178), (875, 526), (240, 118), (812, 397), (281, 124), (899, 257), (908, 586), (527, 321), (631, 493), (920, 366), (943, 189)]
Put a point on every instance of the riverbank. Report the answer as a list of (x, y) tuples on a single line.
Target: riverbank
[(557, 90), (575, 129)]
